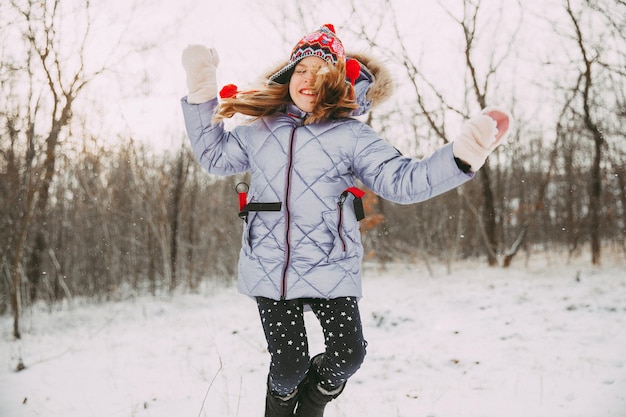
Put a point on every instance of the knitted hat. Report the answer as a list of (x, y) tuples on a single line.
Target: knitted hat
[(322, 43)]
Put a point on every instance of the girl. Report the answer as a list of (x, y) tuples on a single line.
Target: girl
[(301, 244)]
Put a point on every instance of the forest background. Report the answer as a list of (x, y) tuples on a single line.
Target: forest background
[(100, 196)]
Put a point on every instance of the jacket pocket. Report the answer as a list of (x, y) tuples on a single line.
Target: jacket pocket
[(346, 237), (246, 236)]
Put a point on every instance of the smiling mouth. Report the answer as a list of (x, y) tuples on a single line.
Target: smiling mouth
[(307, 92)]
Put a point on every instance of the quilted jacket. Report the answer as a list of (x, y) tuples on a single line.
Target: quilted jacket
[(311, 248)]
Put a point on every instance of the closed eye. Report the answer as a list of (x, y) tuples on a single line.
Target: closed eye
[(300, 70)]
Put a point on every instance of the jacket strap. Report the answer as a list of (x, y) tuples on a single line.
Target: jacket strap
[(259, 207), (357, 201)]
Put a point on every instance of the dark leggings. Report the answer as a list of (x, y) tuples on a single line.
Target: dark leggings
[(283, 323)]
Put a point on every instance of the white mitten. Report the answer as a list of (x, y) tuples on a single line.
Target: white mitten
[(480, 135), (200, 65)]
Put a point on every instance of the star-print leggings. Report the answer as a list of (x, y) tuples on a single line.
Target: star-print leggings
[(283, 323)]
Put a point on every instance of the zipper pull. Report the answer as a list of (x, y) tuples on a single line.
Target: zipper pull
[(342, 199)]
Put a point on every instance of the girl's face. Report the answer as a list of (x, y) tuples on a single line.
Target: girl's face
[(302, 81)]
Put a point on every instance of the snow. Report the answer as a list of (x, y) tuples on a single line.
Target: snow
[(544, 339)]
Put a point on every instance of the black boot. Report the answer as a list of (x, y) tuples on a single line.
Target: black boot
[(313, 398), (276, 406)]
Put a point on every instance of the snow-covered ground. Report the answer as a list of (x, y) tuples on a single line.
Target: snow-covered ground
[(545, 339)]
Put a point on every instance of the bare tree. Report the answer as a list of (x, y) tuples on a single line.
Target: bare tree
[(52, 68), (433, 103), (595, 43)]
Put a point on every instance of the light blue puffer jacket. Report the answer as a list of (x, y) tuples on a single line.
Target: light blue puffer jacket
[(311, 248)]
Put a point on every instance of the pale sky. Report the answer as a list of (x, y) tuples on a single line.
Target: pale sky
[(245, 34)]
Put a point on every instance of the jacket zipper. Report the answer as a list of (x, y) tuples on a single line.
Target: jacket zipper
[(283, 289), (340, 223)]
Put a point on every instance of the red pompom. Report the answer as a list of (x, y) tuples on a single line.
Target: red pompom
[(228, 91), (353, 69), (330, 27)]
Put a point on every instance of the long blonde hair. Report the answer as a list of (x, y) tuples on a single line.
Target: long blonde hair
[(335, 98)]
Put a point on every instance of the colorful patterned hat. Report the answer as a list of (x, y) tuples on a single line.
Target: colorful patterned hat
[(322, 43)]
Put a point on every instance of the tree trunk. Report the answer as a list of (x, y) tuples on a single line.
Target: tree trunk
[(19, 249), (594, 200), (489, 216)]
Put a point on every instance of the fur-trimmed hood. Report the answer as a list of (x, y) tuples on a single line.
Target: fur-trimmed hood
[(373, 86)]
